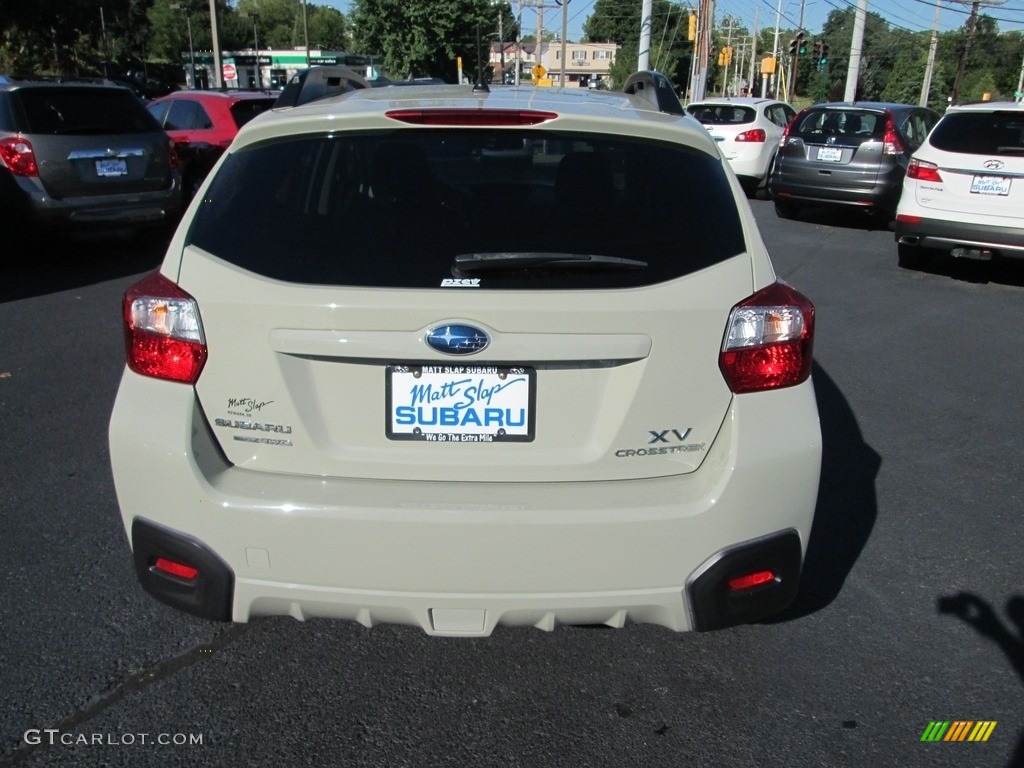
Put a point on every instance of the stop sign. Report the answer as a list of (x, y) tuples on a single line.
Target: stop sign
[(230, 73)]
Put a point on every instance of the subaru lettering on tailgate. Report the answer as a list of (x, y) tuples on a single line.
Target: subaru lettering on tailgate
[(460, 403)]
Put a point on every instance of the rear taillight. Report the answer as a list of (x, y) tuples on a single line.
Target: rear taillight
[(789, 126), (172, 154), (768, 340), (163, 333), (891, 143), (757, 134), (922, 171), (18, 156), (471, 117)]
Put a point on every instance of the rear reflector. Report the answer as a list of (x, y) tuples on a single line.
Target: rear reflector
[(163, 333), (768, 340), (748, 580), (175, 569), (906, 218), (471, 117)]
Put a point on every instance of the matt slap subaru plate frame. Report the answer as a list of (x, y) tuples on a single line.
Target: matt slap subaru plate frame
[(445, 403)]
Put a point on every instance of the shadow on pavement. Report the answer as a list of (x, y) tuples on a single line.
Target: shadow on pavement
[(847, 503), (52, 264), (982, 617)]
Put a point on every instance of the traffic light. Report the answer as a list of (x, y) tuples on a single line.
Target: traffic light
[(823, 55), (798, 45), (817, 50), (727, 51), (693, 28)]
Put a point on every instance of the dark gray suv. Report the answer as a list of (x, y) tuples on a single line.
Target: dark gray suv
[(77, 155), (847, 154)]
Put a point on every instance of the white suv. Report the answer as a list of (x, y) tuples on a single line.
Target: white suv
[(351, 391), (963, 194), (748, 130)]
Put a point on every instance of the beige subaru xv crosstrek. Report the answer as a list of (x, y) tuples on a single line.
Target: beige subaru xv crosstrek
[(457, 358)]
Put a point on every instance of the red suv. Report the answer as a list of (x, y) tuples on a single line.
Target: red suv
[(203, 124)]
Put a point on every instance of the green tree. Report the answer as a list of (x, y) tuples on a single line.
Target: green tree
[(426, 37)]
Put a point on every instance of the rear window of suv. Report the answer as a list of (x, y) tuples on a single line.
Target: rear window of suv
[(980, 133), (71, 111), (245, 110), (722, 114), (395, 209), (818, 123)]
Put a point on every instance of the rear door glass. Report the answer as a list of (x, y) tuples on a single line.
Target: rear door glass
[(395, 209), (70, 111), (983, 133), (245, 110)]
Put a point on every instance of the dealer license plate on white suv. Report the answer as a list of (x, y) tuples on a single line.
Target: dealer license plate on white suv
[(990, 185), (460, 403)]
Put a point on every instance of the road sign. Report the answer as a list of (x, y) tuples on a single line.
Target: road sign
[(538, 71), (230, 73)]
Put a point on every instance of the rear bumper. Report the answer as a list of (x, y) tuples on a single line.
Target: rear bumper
[(884, 193), (118, 210), (947, 235), (462, 558)]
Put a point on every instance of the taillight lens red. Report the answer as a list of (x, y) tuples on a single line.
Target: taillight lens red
[(768, 340), (922, 171), (757, 134), (18, 156), (163, 332), (751, 580), (891, 142), (789, 127), (175, 568), (172, 154), (471, 117)]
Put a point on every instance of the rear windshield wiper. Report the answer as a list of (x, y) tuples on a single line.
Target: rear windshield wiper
[(482, 262), (1014, 150)]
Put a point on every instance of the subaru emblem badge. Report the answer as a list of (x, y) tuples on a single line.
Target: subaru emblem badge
[(457, 339)]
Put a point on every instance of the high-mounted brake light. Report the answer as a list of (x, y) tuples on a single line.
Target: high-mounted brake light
[(163, 332), (756, 134), (922, 171), (768, 340), (484, 118), (891, 143), (18, 156)]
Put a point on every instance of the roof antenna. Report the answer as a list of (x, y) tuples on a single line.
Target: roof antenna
[(479, 86)]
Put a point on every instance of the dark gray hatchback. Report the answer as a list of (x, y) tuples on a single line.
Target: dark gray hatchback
[(847, 154), (84, 154)]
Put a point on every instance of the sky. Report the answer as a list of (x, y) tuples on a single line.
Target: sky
[(913, 15)]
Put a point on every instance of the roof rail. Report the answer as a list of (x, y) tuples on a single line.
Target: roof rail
[(318, 83), (656, 89)]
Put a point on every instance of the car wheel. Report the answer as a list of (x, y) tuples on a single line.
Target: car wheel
[(912, 256), (786, 210)]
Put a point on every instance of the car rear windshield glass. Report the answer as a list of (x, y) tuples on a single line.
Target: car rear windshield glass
[(69, 111), (722, 114), (980, 133), (817, 124), (395, 209), (245, 110)]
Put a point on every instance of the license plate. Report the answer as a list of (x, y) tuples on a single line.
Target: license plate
[(460, 403), (111, 167), (830, 154), (990, 185)]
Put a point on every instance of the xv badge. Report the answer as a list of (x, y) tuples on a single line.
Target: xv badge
[(660, 436)]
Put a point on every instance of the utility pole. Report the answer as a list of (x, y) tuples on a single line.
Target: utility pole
[(775, 50), (794, 67), (728, 44), (565, 27), (856, 46), (218, 69), (929, 70), (644, 60)]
